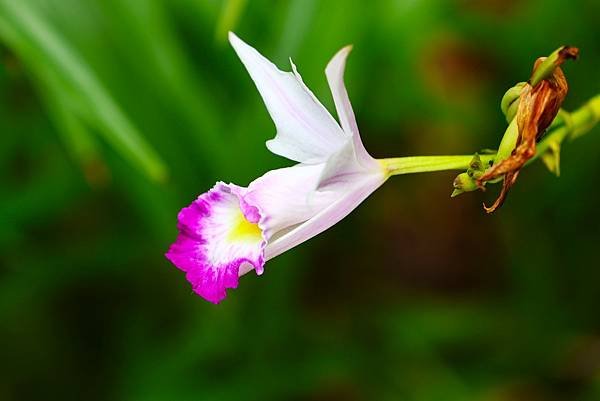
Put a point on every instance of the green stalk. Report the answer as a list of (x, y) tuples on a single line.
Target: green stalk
[(426, 164), (581, 121)]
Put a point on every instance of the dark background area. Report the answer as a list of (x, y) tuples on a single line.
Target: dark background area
[(114, 114)]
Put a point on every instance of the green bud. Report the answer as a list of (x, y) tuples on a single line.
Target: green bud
[(476, 167), (467, 181), (547, 66), (463, 183), (476, 163), (508, 142), (456, 192), (510, 101)]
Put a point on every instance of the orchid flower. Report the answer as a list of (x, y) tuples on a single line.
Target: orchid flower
[(231, 230)]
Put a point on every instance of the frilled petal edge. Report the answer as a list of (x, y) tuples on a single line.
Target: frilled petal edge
[(217, 234)]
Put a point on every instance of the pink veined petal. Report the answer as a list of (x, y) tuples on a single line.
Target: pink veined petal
[(354, 193), (216, 237), (335, 77), (306, 132)]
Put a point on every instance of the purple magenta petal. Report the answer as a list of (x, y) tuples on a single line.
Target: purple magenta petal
[(205, 249)]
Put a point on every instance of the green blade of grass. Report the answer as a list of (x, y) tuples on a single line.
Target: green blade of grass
[(231, 12), (51, 51), (76, 137), (148, 28)]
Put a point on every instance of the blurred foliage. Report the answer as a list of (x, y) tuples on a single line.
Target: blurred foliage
[(114, 114)]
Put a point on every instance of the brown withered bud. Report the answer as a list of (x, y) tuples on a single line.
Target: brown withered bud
[(539, 103)]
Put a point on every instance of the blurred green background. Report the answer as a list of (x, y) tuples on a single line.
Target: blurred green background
[(114, 114)]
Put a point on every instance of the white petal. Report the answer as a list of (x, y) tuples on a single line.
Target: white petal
[(341, 164), (335, 78), (345, 195), (306, 132), (288, 196)]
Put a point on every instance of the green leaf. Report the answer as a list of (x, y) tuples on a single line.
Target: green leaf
[(43, 48), (230, 15)]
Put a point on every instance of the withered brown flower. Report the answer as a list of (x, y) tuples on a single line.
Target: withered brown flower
[(539, 103)]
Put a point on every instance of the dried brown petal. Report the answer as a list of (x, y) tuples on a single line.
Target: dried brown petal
[(538, 106)]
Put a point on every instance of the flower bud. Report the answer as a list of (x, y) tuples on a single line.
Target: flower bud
[(510, 101), (463, 183), (476, 167), (539, 102)]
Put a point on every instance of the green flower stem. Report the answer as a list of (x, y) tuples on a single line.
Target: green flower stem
[(581, 121), (425, 164)]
